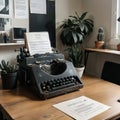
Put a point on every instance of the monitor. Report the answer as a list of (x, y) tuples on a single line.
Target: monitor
[(18, 33)]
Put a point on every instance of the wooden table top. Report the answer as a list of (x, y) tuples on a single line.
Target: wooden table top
[(21, 104), (109, 51)]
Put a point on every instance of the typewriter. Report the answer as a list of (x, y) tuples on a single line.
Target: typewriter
[(47, 75)]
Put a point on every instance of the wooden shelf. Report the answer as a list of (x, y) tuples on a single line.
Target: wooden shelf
[(116, 52), (11, 44), (106, 51)]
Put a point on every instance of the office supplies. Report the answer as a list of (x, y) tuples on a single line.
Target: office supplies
[(47, 75)]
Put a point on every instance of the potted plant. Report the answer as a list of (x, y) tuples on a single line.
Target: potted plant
[(118, 46), (100, 38), (8, 75), (74, 30)]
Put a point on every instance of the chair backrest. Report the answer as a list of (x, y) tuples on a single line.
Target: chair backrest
[(111, 72)]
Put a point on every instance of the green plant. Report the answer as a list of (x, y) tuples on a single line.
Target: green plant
[(6, 67), (76, 55), (100, 35), (73, 32)]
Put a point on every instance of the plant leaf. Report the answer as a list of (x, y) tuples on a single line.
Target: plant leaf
[(80, 37), (83, 15), (74, 37)]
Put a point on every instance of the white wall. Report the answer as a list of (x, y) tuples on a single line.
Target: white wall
[(101, 11), (65, 8), (8, 53)]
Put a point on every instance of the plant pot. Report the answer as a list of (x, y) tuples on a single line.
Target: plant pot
[(9, 81), (80, 71), (118, 47), (99, 44)]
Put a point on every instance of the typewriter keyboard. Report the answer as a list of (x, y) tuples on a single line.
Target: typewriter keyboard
[(61, 83)]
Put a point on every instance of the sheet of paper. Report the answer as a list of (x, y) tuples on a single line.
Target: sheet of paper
[(81, 108), (21, 9), (38, 6), (38, 42)]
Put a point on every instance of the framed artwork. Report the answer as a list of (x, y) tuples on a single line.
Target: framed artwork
[(5, 24), (5, 15), (5, 8)]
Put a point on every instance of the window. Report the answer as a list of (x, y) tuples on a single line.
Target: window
[(118, 15), (115, 25), (113, 18)]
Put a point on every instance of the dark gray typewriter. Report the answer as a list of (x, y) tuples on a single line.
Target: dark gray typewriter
[(48, 75)]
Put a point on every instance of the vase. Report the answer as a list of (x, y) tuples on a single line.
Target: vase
[(118, 47), (99, 44), (80, 71), (9, 81)]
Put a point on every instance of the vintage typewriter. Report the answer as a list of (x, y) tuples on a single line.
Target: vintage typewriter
[(47, 75)]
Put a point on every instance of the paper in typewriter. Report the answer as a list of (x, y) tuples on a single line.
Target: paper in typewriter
[(38, 42), (81, 108)]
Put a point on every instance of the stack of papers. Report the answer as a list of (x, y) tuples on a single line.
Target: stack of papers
[(81, 108)]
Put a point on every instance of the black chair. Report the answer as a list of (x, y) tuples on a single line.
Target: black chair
[(111, 72), (1, 116)]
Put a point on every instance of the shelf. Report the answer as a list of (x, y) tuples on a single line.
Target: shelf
[(11, 44), (116, 52), (107, 51)]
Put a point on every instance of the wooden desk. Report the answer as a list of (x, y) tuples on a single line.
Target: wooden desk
[(107, 51), (21, 104)]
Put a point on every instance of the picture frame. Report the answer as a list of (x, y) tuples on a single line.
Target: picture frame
[(5, 15), (5, 11), (5, 24)]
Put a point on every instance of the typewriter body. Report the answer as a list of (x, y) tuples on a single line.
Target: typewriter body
[(47, 75)]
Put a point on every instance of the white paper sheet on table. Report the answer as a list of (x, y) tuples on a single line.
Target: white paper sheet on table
[(81, 108)]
